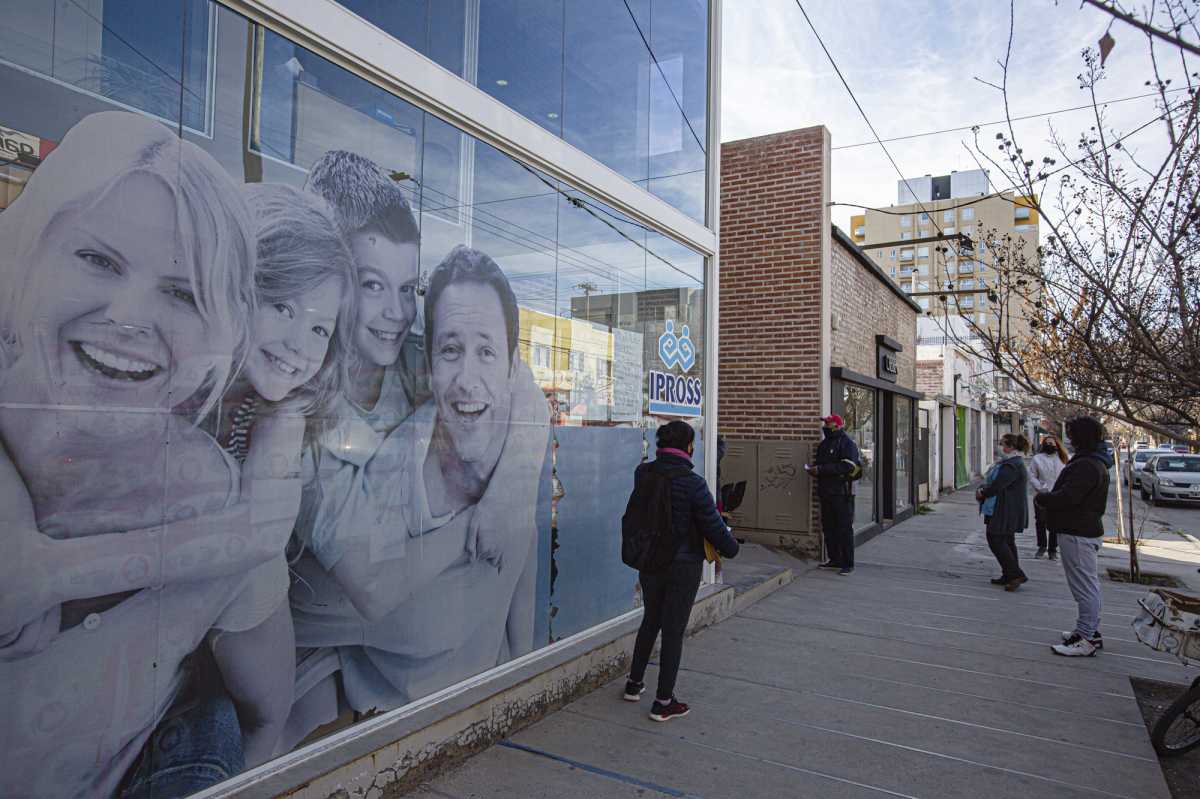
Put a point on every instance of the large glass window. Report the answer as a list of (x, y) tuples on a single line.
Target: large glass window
[(384, 385), (904, 452), (144, 54), (626, 81), (860, 425)]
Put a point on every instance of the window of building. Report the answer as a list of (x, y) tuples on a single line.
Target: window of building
[(924, 219), (906, 235), (906, 255), (905, 220), (904, 452), (1003, 384), (966, 301), (922, 252), (893, 255), (967, 213), (1021, 212), (949, 231), (948, 217), (966, 267), (860, 231), (859, 414), (923, 302), (966, 283), (145, 55)]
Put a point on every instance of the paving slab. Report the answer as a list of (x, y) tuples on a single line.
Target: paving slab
[(913, 677)]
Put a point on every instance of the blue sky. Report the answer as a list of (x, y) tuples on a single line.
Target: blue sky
[(913, 66)]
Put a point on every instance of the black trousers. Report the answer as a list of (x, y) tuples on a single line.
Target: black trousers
[(1004, 547), (1043, 535), (668, 596), (837, 524)]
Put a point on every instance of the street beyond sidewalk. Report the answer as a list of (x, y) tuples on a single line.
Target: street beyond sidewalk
[(914, 677)]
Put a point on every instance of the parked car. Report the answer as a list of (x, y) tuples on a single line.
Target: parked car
[(1181, 449), (1171, 478), (1137, 463), (1142, 445)]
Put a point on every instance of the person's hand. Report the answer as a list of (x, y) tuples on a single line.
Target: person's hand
[(979, 495)]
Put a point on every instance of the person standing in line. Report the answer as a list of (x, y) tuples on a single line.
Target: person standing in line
[(1074, 509), (837, 465), (668, 595), (1010, 515), (1044, 469)]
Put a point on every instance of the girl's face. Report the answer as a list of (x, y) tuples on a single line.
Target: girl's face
[(387, 301), (116, 320), (290, 339)]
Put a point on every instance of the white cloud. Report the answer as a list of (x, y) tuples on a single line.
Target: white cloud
[(912, 64)]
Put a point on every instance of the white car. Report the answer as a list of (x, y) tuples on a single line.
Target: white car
[(1171, 478), (1137, 462)]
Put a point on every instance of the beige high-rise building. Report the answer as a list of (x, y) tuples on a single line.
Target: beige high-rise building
[(958, 203)]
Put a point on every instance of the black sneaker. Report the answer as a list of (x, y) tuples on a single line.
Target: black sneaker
[(1071, 637), (829, 564), (1041, 553), (1052, 554), (846, 570), (633, 690), (999, 581), (1015, 583), (671, 710)]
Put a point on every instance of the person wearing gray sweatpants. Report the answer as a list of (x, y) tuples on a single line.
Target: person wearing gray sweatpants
[(1074, 510)]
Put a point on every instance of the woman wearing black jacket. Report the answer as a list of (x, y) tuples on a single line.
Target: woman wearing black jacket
[(668, 594), (1011, 513)]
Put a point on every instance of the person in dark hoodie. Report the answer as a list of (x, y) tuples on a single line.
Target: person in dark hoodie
[(836, 465), (1009, 514), (668, 595), (1074, 509)]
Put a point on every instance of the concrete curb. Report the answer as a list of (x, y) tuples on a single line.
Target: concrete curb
[(390, 754)]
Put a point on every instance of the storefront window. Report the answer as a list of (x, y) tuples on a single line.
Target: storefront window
[(385, 385), (625, 81), (976, 434), (144, 54), (904, 452), (860, 426)]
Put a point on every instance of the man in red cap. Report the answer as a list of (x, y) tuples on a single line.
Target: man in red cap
[(836, 466)]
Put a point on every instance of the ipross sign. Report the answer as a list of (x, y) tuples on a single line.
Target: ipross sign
[(676, 395)]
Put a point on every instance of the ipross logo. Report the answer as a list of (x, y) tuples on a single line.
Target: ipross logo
[(675, 389)]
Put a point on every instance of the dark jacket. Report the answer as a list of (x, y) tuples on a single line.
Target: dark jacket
[(837, 457), (1076, 504), (693, 511), (1009, 487)]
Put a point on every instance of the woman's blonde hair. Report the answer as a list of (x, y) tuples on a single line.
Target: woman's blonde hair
[(300, 247), (214, 237)]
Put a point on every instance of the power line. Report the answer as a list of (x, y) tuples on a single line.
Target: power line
[(866, 119), (1023, 118), (649, 50), (998, 193)]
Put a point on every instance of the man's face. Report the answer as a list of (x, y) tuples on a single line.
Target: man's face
[(472, 371), (387, 303)]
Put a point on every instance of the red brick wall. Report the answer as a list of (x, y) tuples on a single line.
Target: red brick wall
[(773, 221), (930, 377), (865, 306), (771, 230)]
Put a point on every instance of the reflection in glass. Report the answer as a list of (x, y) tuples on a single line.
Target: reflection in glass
[(144, 54), (860, 426), (904, 450)]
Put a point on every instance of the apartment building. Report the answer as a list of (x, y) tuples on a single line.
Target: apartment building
[(904, 240)]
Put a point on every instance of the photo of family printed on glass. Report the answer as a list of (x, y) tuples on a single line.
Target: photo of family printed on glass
[(233, 513)]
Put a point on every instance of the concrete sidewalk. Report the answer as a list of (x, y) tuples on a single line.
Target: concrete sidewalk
[(914, 677)]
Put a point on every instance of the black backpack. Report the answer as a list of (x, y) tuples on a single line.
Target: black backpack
[(647, 539)]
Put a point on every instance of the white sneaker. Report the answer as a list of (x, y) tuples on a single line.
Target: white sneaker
[(1078, 648), (1069, 637)]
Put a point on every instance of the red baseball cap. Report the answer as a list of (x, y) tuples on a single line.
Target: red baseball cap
[(833, 419)]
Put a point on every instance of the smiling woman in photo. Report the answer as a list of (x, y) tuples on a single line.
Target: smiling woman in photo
[(128, 282)]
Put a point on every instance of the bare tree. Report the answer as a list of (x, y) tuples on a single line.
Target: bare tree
[(1104, 315)]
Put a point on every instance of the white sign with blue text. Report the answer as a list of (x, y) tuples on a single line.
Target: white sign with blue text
[(675, 394)]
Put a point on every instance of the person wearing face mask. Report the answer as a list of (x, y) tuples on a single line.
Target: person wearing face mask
[(668, 594), (1074, 509), (837, 464), (1044, 469), (1009, 515)]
